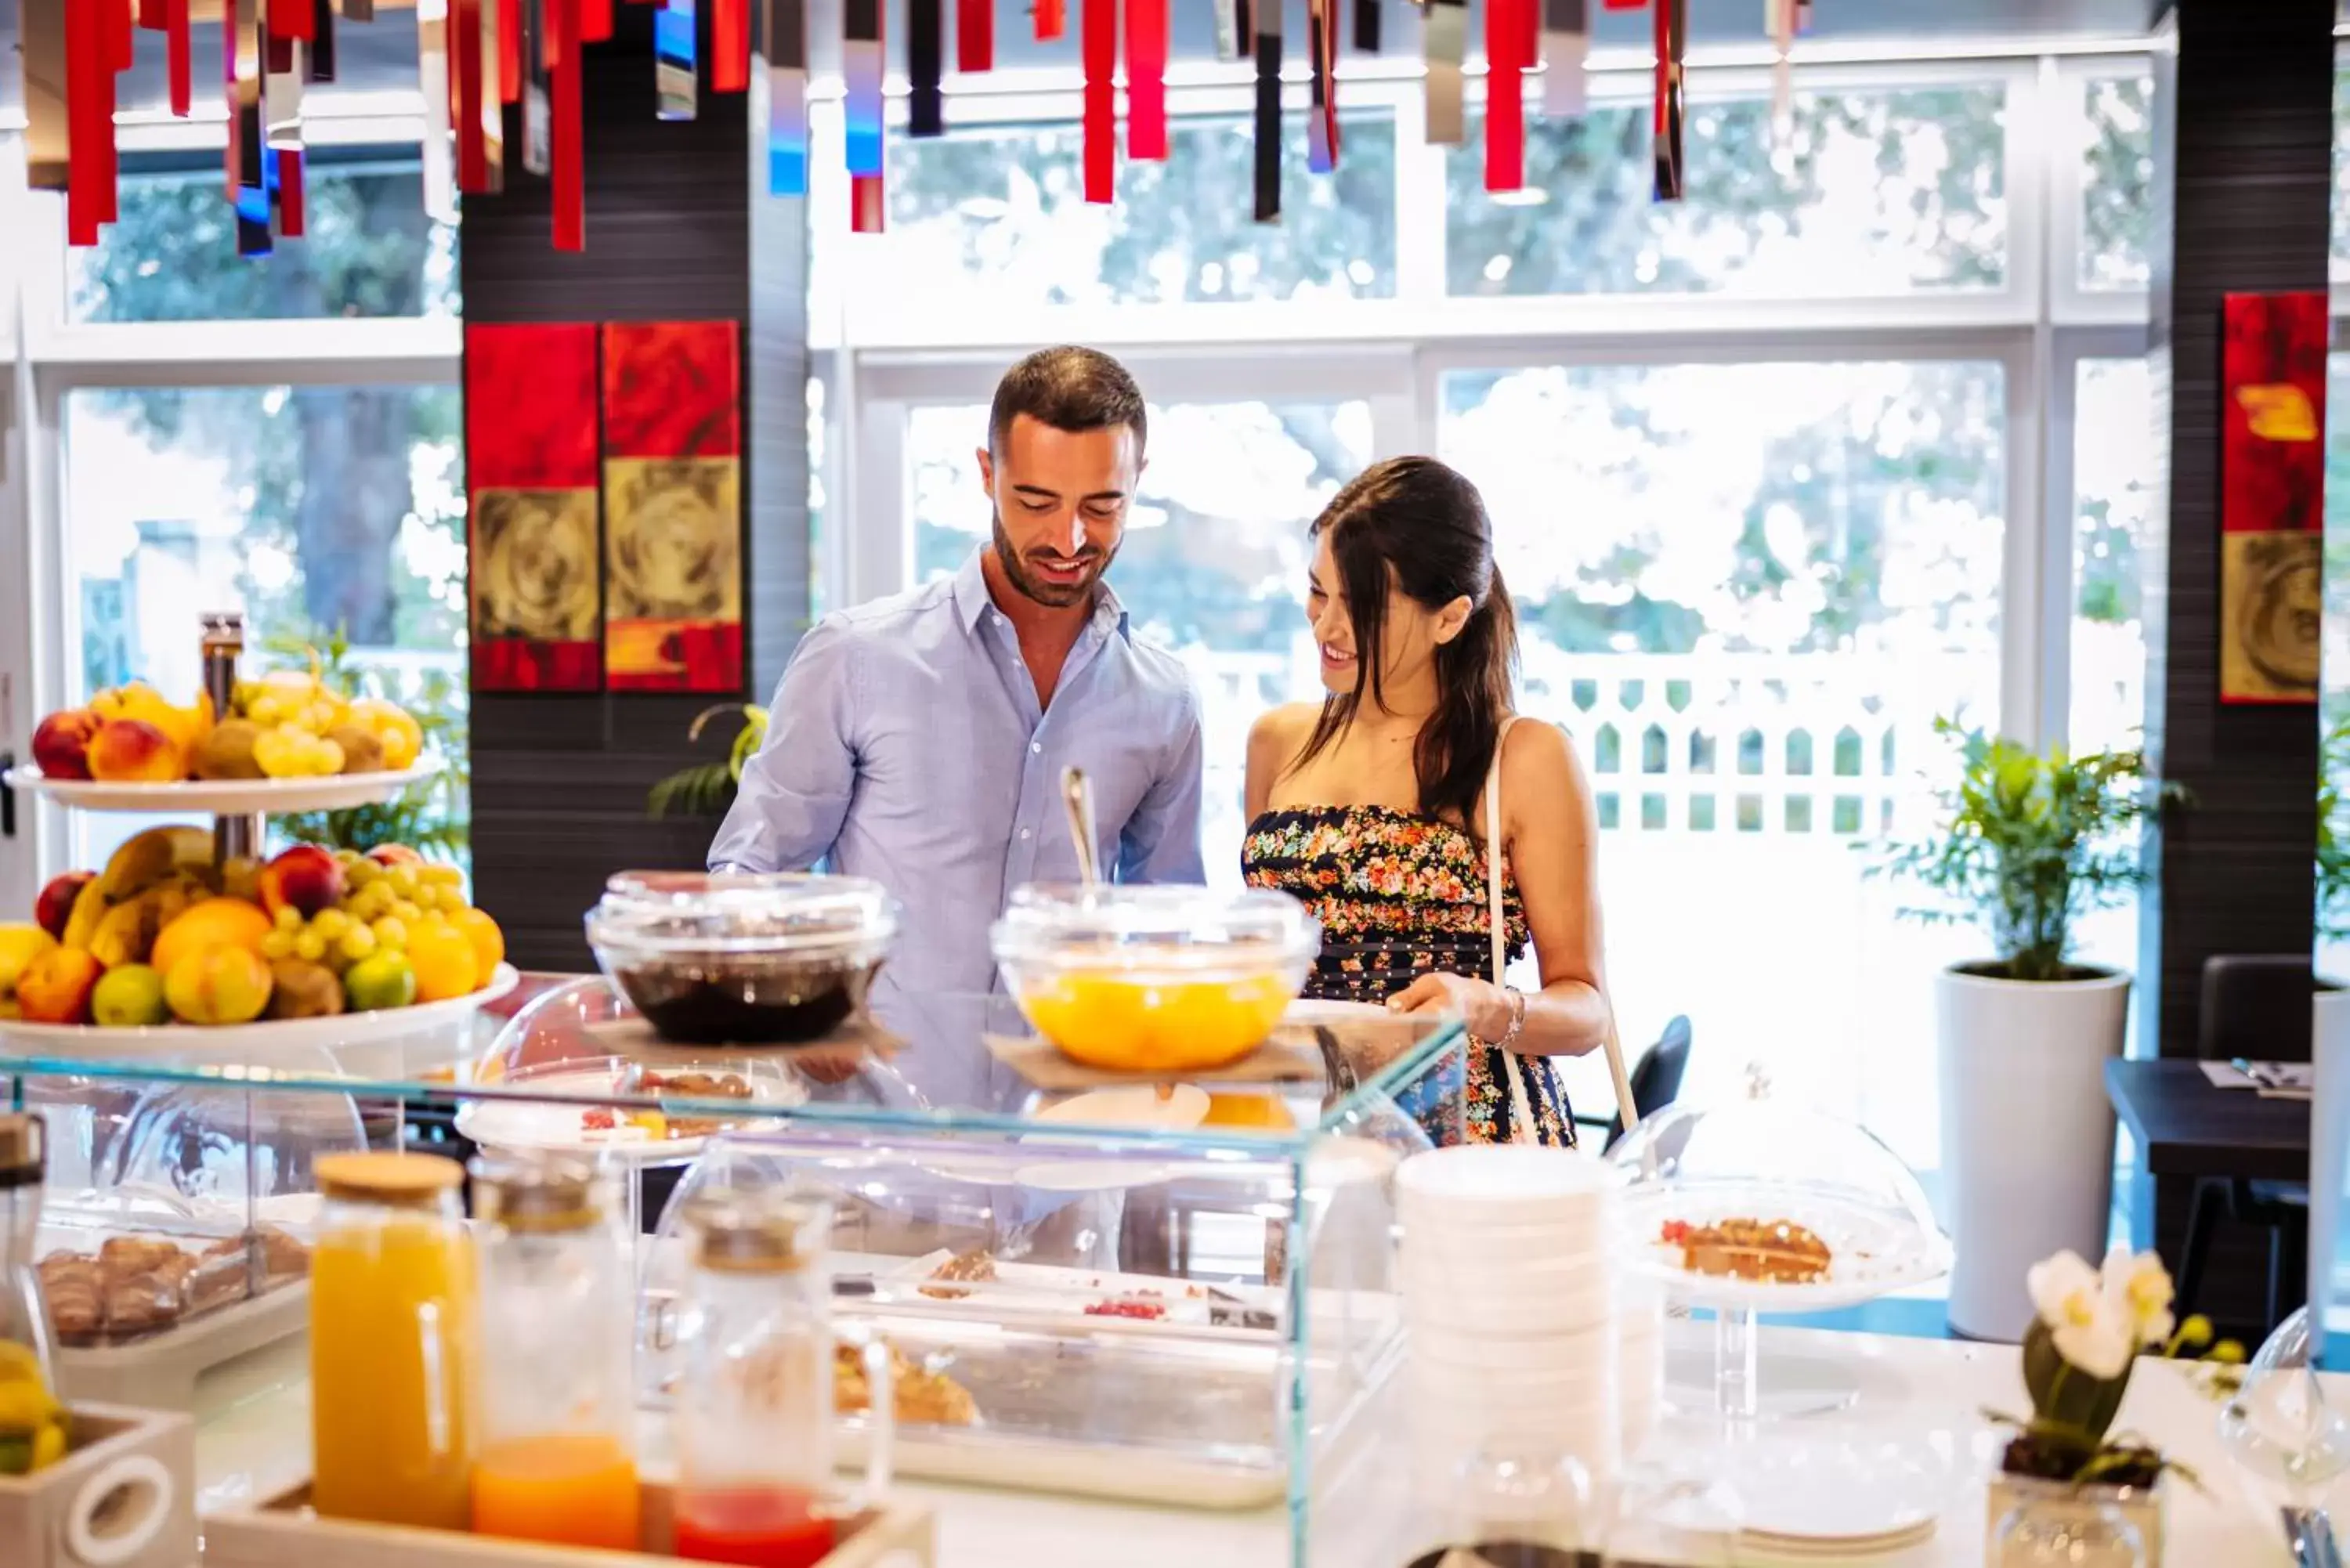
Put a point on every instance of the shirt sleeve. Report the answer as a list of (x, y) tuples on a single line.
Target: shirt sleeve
[(1161, 841), (796, 788)]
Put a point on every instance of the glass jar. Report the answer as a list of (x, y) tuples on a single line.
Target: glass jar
[(2070, 1530), (394, 1342), (754, 1405), (557, 1452)]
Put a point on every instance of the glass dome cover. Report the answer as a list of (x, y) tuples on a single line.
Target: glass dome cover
[(1766, 1203), (1194, 933), (731, 958)]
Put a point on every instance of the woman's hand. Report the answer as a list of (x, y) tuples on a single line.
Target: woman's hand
[(1484, 1007)]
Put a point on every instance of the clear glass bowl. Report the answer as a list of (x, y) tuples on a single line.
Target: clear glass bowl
[(735, 959), (1160, 979)]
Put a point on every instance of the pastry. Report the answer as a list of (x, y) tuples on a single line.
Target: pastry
[(922, 1397), (975, 1267), (1774, 1252)]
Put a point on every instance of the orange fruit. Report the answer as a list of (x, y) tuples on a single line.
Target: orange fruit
[(210, 923), (489, 942), (1140, 1026), (442, 956)]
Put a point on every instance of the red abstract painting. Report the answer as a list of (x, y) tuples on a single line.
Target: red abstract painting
[(2272, 496), (532, 535), (672, 469)]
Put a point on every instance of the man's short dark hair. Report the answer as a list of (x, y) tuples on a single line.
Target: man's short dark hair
[(1069, 388)]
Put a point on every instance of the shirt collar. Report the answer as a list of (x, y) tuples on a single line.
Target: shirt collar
[(972, 599)]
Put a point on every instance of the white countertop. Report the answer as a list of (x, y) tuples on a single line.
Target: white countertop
[(253, 1440)]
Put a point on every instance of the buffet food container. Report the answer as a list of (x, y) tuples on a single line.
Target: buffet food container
[(737, 958), (283, 1532), (1157, 979), (123, 1497)]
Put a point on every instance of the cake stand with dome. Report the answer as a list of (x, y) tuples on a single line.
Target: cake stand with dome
[(1764, 1206)]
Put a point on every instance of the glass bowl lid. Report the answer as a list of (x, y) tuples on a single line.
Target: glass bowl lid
[(1182, 927), (730, 914)]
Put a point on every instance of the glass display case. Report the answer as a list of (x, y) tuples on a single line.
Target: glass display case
[(1176, 1290)]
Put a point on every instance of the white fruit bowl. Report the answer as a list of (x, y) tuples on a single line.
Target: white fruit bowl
[(225, 797), (283, 1043)]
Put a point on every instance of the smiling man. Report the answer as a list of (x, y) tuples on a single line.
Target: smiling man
[(920, 740)]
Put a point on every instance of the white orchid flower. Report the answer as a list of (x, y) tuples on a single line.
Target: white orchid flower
[(2091, 1331), (2139, 1287)]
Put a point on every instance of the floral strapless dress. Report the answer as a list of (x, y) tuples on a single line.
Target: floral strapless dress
[(1399, 896)]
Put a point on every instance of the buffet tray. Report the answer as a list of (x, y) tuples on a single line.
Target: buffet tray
[(162, 1370), (283, 1532), (125, 1491)]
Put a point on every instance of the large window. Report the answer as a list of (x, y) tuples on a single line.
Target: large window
[(1864, 193)]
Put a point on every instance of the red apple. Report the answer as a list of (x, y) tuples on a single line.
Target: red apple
[(54, 906), (394, 855), (132, 751), (61, 744), (304, 878), (55, 987)]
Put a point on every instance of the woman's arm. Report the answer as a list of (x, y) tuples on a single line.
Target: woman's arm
[(1553, 835)]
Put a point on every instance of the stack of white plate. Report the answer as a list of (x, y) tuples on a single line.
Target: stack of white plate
[(1509, 1294)]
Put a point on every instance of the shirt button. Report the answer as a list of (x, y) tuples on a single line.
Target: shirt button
[(1036, 747), (1024, 833)]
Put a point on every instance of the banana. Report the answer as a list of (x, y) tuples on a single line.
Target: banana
[(148, 857), (89, 906)]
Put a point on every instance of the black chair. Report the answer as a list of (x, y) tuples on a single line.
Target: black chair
[(2254, 1005), (1656, 1080)]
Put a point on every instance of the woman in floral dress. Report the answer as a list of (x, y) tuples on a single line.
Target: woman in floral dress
[(1372, 806)]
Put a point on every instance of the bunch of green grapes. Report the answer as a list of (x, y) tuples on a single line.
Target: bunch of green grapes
[(335, 938)]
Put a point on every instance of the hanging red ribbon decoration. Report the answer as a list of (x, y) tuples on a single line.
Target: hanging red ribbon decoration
[(1505, 94), (569, 149), (122, 36), (1672, 34), (86, 164), (293, 19), (974, 36), (867, 203), (595, 21), (730, 46), (1146, 80), (1624, 5), (1052, 19), (496, 47), (1322, 115), (466, 88), (292, 215), (179, 58), (510, 45), (150, 15), (1098, 46)]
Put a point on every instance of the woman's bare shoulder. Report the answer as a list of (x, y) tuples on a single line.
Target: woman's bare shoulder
[(1279, 734), (1538, 761)]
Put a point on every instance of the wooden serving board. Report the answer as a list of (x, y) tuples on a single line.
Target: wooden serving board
[(283, 1532), (125, 1494)]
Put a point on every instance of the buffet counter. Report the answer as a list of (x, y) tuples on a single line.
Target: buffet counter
[(252, 1439)]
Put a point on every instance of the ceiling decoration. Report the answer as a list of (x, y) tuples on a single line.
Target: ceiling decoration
[(478, 57)]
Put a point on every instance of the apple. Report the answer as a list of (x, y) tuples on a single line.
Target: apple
[(388, 855), (61, 744), (55, 986), (54, 906), (132, 751), (304, 878)]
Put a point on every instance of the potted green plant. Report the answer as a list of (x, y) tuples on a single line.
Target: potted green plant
[(707, 789), (2026, 843), (2088, 1329)]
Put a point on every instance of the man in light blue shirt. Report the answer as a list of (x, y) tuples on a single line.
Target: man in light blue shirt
[(920, 739)]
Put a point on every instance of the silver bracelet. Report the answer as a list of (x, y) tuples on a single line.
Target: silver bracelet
[(1517, 1019)]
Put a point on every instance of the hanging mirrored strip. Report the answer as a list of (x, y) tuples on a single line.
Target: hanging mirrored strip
[(1567, 56), (926, 107), (1366, 27), (1235, 30), (1267, 17), (1445, 43), (432, 77), (1321, 120), (783, 36), (48, 133), (677, 54), (537, 118), (861, 64), (320, 56)]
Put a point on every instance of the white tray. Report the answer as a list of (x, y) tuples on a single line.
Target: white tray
[(161, 1371), (280, 1041), (225, 797)]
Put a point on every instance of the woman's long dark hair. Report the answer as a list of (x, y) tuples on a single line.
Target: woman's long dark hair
[(1414, 523)]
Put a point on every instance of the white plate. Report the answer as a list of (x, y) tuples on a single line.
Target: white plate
[(1504, 1184), (513, 1124), (1133, 1107), (1307, 1014), (225, 797), (1854, 1493), (1874, 1251), (281, 1042)]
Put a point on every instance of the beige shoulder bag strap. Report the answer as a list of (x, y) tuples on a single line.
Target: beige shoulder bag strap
[(1625, 1106)]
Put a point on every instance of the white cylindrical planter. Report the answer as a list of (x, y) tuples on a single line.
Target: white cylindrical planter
[(2329, 1138), (2027, 1133)]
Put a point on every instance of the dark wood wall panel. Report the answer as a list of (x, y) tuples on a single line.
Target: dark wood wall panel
[(559, 781), (2244, 136)]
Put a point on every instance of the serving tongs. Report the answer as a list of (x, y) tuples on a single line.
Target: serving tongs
[(2310, 1533), (1077, 797)]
